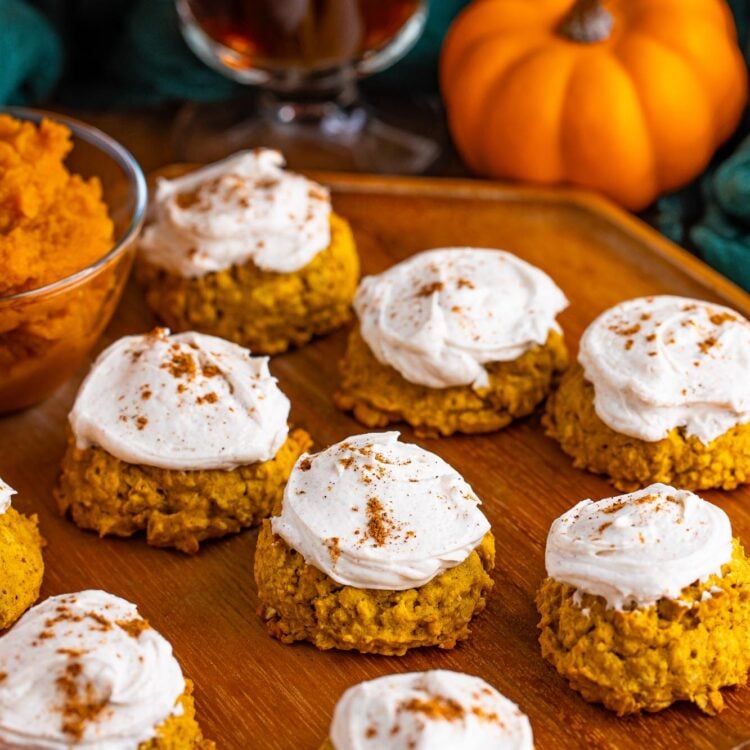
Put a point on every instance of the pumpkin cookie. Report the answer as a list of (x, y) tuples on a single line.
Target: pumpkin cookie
[(435, 710), (453, 340), (182, 436), (660, 393), (86, 670), (647, 601), (380, 547), (21, 563), (247, 251)]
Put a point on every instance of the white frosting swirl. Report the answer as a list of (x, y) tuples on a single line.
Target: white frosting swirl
[(436, 710), (186, 401), (657, 363), (439, 316), (374, 513), (84, 670), (6, 493), (639, 547), (244, 208)]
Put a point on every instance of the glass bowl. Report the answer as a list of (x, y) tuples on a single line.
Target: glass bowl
[(48, 332)]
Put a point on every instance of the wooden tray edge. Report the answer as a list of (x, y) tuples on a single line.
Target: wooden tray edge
[(444, 187)]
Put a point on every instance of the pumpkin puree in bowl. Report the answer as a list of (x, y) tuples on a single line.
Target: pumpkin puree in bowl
[(52, 223)]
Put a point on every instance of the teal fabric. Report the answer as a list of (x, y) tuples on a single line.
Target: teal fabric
[(712, 216), (30, 51)]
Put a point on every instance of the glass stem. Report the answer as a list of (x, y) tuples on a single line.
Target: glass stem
[(330, 99)]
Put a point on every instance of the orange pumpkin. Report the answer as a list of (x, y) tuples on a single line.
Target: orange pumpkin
[(629, 97)]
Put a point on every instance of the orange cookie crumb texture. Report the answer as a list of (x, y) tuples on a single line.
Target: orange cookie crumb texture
[(378, 395), (175, 508), (645, 659), (630, 463), (300, 602), (52, 224), (21, 565), (181, 731)]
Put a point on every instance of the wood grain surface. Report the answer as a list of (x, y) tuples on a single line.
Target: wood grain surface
[(253, 692)]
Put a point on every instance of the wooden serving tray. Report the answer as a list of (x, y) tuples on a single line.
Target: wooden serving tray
[(253, 692)]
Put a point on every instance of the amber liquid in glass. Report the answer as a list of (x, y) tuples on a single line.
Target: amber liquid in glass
[(310, 34)]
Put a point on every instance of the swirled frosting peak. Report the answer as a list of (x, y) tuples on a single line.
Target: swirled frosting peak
[(635, 549), (659, 363), (6, 493), (244, 208), (85, 670), (436, 710), (440, 316), (375, 513), (186, 401)]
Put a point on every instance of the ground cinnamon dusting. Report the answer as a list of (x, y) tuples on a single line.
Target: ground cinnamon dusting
[(379, 525), (720, 318), (629, 331), (133, 627), (429, 289), (77, 710), (333, 549), (208, 398), (436, 707), (209, 370), (103, 622), (614, 507), (181, 365), (707, 344)]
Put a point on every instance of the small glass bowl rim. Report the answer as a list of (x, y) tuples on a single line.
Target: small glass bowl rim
[(136, 182)]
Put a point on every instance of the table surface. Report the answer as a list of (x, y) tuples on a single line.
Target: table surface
[(254, 692)]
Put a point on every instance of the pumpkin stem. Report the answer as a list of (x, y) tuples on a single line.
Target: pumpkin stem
[(588, 22)]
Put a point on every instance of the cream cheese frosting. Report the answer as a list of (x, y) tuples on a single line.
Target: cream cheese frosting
[(244, 208), (375, 513), (659, 363), (85, 670), (635, 549), (6, 493), (441, 315), (186, 401), (436, 710)]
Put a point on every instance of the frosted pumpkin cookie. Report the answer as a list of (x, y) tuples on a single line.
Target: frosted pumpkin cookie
[(86, 670), (21, 563), (184, 436), (247, 251), (647, 601), (379, 546), (435, 710), (660, 393), (453, 340)]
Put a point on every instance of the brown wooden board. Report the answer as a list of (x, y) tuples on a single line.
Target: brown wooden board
[(256, 693)]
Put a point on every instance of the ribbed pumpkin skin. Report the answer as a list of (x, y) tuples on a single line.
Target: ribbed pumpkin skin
[(634, 115)]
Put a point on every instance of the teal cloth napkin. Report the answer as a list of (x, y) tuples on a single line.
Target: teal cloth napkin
[(31, 54), (712, 216)]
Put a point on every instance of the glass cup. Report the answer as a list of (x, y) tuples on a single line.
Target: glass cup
[(47, 333), (305, 57)]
